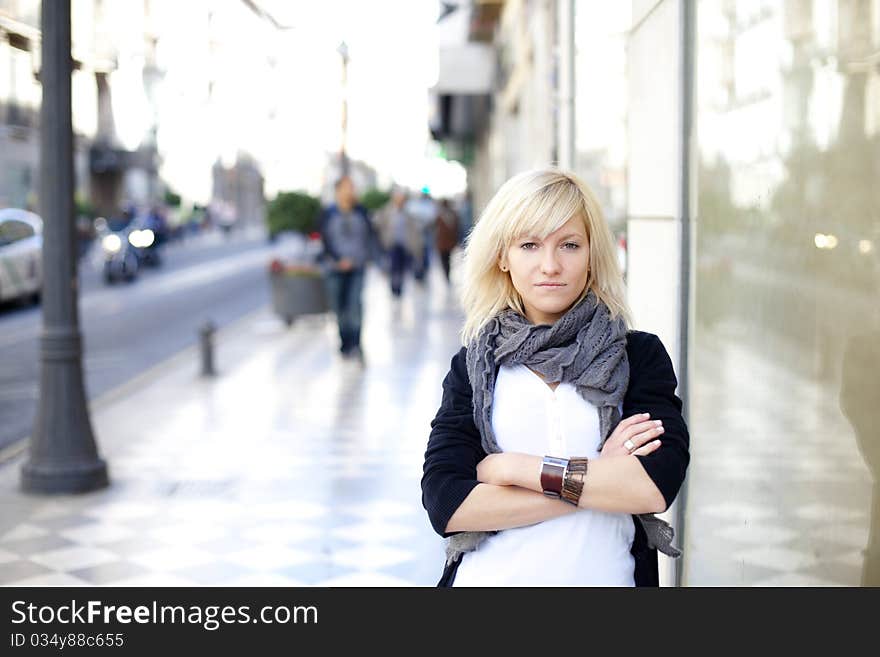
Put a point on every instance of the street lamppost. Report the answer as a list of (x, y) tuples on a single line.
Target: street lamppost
[(343, 156), (63, 455)]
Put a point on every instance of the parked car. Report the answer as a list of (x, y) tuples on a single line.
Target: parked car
[(21, 255)]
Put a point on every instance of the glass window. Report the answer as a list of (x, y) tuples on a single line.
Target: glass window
[(784, 482), (13, 231)]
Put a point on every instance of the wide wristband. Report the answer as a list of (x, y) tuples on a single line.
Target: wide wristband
[(573, 481), (552, 474)]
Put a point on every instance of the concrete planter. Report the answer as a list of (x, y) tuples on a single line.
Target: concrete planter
[(298, 292)]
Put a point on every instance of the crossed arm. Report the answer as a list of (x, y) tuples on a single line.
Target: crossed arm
[(463, 489), (509, 493)]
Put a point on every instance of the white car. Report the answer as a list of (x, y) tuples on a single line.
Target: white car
[(21, 254)]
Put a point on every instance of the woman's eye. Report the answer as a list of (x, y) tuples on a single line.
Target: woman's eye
[(571, 245), (528, 246)]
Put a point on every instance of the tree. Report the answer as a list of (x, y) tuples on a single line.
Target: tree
[(293, 211), (172, 199), (373, 199)]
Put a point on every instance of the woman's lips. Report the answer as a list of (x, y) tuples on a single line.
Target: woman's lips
[(550, 284)]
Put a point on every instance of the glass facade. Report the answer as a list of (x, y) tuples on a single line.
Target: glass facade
[(784, 356), (601, 102)]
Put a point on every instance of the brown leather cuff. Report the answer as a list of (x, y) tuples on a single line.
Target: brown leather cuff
[(552, 474)]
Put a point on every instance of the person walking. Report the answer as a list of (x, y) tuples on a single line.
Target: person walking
[(446, 234), (348, 237), (424, 209), (530, 472), (401, 238)]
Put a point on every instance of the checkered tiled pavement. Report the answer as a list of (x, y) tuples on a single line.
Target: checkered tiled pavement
[(293, 467)]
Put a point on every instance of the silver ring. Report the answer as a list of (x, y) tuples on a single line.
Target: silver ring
[(630, 445)]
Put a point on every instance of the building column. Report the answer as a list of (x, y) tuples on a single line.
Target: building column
[(566, 157), (658, 225)]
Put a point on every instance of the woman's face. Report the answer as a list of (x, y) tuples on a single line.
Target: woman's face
[(550, 274)]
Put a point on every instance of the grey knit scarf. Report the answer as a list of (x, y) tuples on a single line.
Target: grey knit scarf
[(585, 347)]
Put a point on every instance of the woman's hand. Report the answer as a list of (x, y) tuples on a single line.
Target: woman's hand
[(641, 430)]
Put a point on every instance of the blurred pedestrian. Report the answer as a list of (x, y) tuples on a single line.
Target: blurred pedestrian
[(466, 215), (446, 233), (348, 241), (530, 470), (401, 237), (425, 210)]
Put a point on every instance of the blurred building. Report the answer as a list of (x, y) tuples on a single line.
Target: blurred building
[(143, 113), (493, 101), (497, 102), (20, 106), (124, 169), (737, 145), (107, 171), (237, 199)]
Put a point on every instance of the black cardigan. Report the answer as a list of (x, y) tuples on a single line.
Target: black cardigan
[(454, 446)]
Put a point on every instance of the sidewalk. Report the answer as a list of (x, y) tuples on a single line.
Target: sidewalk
[(290, 468)]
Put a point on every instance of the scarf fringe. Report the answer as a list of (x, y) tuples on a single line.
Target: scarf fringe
[(660, 534)]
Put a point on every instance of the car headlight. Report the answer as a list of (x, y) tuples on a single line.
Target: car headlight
[(141, 239), (111, 243)]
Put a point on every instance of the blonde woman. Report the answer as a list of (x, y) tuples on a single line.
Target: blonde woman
[(530, 472)]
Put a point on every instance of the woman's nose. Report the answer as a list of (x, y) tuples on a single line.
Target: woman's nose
[(550, 262)]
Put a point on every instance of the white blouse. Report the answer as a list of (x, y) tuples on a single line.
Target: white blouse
[(585, 548)]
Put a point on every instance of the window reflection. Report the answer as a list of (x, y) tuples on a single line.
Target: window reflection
[(785, 362)]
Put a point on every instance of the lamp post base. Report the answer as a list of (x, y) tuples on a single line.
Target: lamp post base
[(64, 477)]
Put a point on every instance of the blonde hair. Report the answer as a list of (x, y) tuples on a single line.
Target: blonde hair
[(537, 202)]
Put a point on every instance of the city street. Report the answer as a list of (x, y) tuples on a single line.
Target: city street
[(291, 467), (128, 328), (306, 158)]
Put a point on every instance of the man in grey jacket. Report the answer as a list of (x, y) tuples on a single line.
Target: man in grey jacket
[(348, 244)]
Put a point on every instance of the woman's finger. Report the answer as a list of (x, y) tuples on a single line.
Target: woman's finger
[(645, 436), (638, 429), (630, 427), (647, 449), (633, 419)]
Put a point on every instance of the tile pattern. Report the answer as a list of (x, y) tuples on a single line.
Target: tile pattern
[(778, 493), (292, 468), (240, 547)]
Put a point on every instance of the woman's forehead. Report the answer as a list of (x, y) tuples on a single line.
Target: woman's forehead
[(574, 226)]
